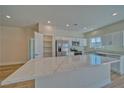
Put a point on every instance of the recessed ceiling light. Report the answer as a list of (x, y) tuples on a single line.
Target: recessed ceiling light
[(67, 25), (7, 16), (115, 14), (49, 22)]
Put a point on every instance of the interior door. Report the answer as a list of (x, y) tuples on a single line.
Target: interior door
[(38, 45)]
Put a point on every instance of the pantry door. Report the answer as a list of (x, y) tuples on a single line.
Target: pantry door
[(38, 38)]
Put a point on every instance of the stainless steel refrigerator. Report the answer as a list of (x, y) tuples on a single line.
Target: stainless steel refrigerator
[(62, 47)]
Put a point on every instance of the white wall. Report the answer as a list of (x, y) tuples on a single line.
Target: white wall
[(52, 30), (15, 44), (46, 29), (107, 30), (116, 27), (0, 45), (66, 33)]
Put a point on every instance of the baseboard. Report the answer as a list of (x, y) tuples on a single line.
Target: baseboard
[(11, 63)]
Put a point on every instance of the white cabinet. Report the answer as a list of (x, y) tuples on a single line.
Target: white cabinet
[(123, 39), (107, 40), (38, 44), (113, 39), (117, 39), (74, 43), (82, 41)]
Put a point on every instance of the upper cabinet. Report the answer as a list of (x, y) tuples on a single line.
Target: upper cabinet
[(107, 39), (73, 41), (113, 39), (123, 39), (117, 39), (83, 42)]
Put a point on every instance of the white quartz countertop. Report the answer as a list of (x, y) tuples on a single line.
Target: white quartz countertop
[(46, 66)]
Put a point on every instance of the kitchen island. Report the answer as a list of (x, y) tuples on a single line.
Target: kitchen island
[(65, 72)]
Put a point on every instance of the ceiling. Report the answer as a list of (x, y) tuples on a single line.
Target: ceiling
[(85, 18)]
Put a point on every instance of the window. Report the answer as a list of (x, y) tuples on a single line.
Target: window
[(95, 42)]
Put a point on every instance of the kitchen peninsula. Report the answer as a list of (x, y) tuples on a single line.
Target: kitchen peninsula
[(65, 72)]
